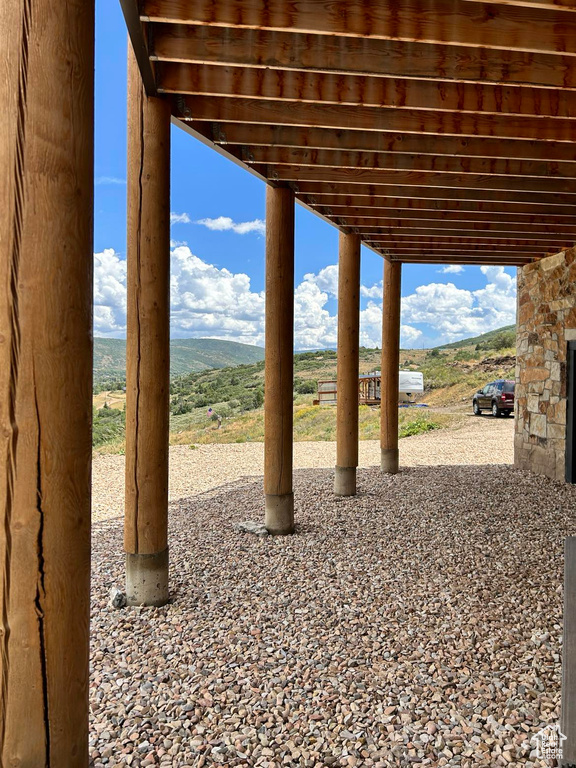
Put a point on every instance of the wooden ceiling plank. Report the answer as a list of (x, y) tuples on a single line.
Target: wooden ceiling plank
[(254, 134), (406, 162), (457, 228), (461, 182), (394, 245), (338, 200), (226, 109), (356, 90), (549, 5), (477, 261), (390, 58), (451, 220), (451, 22)]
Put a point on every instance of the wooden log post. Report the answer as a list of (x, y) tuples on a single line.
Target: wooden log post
[(46, 226), (148, 345), (347, 365), (390, 364), (568, 727), (279, 362)]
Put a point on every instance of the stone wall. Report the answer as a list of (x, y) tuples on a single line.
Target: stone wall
[(546, 322)]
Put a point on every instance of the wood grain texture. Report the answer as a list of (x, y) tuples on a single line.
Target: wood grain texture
[(330, 204), (147, 343), (444, 220), (395, 161), (386, 177), (342, 116), (357, 90), (279, 343), (46, 228), (253, 134), (390, 356), (451, 22), (348, 350), (320, 190), (359, 55)]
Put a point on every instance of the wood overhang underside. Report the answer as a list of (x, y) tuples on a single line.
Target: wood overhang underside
[(442, 131)]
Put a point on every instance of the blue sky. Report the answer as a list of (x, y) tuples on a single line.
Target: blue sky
[(218, 265)]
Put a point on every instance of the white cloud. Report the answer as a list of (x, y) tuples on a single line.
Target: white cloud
[(409, 335), (179, 218), (372, 291), (102, 180), (454, 313), (210, 301), (109, 293), (451, 269), (226, 224)]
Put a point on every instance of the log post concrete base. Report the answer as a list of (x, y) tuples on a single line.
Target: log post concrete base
[(389, 460), (279, 519), (345, 481), (147, 579)]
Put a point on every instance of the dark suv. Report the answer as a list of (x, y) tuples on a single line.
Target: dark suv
[(498, 397)]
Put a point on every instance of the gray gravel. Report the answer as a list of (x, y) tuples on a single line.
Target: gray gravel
[(418, 624)]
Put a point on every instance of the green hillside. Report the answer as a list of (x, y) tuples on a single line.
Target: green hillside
[(486, 340), (186, 356)]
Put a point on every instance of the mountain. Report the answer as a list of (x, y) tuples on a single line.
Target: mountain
[(485, 340), (186, 356)]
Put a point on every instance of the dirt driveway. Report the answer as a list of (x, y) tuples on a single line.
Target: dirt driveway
[(478, 440)]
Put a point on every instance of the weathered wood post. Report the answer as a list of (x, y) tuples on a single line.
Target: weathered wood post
[(46, 223), (569, 654), (279, 362), (390, 363), (347, 365), (147, 347)]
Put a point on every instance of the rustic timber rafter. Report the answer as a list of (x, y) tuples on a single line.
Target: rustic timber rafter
[(357, 90), (435, 130), (449, 22), (259, 48)]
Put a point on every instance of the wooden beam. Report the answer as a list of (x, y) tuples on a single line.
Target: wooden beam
[(393, 161), (261, 48), (137, 34), (389, 368), (46, 276), (401, 216), (463, 244), (378, 204), (462, 182), (147, 345), (317, 190), (255, 134), (480, 261), (279, 346), (358, 90), (450, 22), (462, 231), (549, 5), (347, 365), (382, 224), (226, 109)]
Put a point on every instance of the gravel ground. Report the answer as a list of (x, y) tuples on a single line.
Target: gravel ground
[(416, 624), (478, 441)]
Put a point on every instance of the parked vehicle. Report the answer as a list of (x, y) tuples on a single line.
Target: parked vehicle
[(498, 397)]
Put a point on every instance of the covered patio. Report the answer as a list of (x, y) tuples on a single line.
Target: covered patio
[(430, 131)]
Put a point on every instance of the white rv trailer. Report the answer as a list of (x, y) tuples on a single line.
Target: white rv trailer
[(411, 387)]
